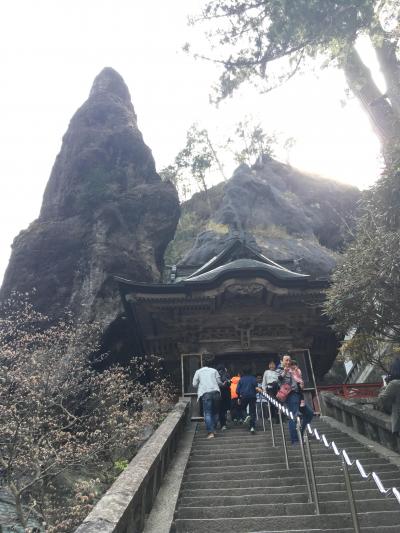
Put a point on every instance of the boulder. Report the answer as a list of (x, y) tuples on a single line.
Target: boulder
[(291, 217)]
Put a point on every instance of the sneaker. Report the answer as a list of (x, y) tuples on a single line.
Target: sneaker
[(252, 431), (223, 428), (247, 419), (210, 436)]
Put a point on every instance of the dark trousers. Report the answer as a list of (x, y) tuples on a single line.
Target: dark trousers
[(224, 406), (236, 410), (210, 401), (251, 402), (293, 404), (271, 391)]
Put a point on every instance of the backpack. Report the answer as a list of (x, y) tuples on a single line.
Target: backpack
[(284, 392)]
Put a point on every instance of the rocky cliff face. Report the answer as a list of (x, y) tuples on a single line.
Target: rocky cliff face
[(105, 210), (291, 216)]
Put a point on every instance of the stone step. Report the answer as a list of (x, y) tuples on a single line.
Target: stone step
[(241, 511), (237, 453), (264, 457), (262, 487), (246, 499), (234, 442), (374, 529), (268, 471), (388, 478), (267, 464), (263, 496), (308, 523), (283, 509)]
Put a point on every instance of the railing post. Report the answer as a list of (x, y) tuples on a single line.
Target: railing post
[(262, 412), (283, 440), (303, 456), (312, 473), (272, 425), (350, 496)]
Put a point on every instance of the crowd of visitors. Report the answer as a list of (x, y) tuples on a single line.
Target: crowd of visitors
[(240, 394)]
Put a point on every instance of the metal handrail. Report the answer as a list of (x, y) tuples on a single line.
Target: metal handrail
[(392, 491)]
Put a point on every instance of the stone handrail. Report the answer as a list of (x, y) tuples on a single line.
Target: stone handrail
[(130, 498), (366, 421)]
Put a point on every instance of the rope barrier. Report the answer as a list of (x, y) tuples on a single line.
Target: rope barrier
[(392, 491)]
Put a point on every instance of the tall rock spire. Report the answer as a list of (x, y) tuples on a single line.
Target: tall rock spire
[(103, 155), (105, 211)]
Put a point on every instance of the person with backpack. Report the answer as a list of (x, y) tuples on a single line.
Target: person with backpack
[(236, 409), (290, 393), (207, 382), (247, 391)]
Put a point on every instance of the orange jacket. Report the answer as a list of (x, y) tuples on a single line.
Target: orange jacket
[(234, 383)]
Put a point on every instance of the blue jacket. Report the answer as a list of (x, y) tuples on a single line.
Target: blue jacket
[(247, 387)]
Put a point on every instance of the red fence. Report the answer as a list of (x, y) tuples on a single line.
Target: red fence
[(354, 390)]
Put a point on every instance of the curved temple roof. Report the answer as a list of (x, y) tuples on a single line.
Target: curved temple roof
[(245, 265), (239, 260)]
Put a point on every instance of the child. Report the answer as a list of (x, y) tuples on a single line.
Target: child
[(297, 376), (236, 409)]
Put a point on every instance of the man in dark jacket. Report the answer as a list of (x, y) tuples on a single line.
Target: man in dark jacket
[(247, 390), (389, 397), (225, 402)]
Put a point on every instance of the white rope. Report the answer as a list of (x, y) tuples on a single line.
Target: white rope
[(392, 491)]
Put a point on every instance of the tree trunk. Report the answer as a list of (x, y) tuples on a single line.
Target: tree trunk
[(384, 119), (19, 510), (389, 65)]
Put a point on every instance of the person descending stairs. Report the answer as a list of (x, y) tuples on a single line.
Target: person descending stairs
[(238, 482)]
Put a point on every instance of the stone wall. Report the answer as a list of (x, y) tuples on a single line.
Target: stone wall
[(127, 502), (361, 416)]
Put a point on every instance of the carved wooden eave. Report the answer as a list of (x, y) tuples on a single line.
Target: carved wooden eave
[(231, 304)]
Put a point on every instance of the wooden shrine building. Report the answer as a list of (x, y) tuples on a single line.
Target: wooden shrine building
[(240, 308)]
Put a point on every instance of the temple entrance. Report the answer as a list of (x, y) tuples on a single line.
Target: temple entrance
[(257, 363), (236, 362), (190, 362)]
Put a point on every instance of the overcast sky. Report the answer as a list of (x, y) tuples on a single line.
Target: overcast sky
[(51, 51)]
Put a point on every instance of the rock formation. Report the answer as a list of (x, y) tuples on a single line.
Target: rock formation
[(105, 210), (293, 218)]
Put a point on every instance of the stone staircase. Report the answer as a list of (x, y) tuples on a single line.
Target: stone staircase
[(238, 482)]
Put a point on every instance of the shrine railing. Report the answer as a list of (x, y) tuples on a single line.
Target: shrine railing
[(353, 390)]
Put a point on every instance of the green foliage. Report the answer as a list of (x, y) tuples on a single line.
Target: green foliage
[(252, 142), (254, 34), (366, 348), (271, 231), (97, 187), (196, 160), (201, 158), (188, 228), (120, 465), (365, 294), (221, 229)]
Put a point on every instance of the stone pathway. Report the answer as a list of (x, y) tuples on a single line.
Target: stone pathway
[(239, 483)]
